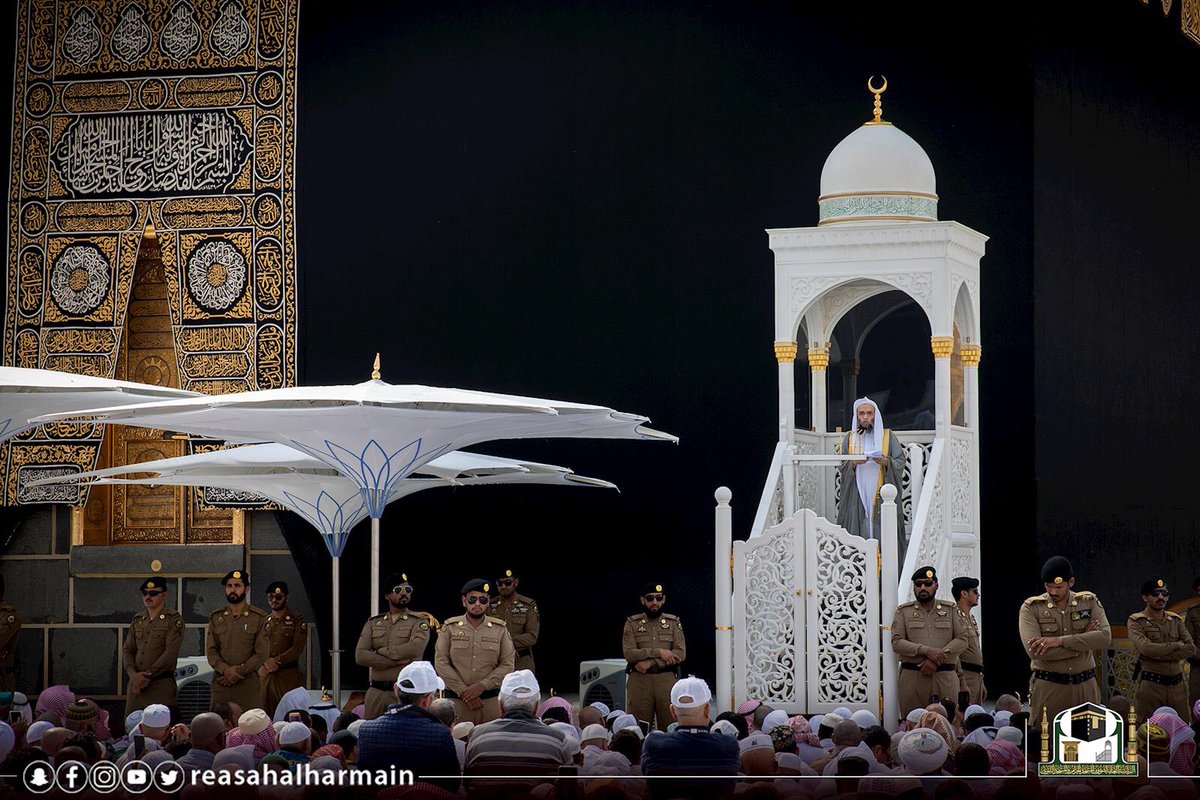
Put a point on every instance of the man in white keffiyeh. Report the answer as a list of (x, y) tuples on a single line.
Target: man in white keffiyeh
[(859, 509)]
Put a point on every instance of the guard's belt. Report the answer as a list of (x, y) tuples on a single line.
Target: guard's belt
[(632, 669), (969, 667), (1065, 678), (487, 694), (1165, 680), (940, 668)]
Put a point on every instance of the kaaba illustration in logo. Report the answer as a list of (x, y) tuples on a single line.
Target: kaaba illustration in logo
[(1088, 739)]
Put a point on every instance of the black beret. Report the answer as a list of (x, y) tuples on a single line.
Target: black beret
[(277, 587), (651, 588), (963, 583), (924, 573), (395, 579), (1057, 570), (240, 574), (1152, 584), (475, 585), (153, 583)]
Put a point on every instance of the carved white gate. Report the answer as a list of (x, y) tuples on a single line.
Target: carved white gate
[(806, 634)]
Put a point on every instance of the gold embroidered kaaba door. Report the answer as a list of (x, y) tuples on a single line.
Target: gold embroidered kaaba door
[(142, 514), (175, 116)]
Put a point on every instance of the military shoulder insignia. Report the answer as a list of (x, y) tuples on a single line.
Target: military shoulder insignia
[(424, 626), (303, 625), (1085, 595), (178, 622)]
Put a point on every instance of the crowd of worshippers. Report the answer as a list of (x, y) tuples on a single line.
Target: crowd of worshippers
[(548, 748)]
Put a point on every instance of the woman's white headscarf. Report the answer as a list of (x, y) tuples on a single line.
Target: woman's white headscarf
[(868, 444)]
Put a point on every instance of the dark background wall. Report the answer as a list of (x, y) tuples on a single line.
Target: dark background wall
[(568, 200)]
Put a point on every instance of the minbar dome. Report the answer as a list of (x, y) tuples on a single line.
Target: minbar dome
[(878, 173)]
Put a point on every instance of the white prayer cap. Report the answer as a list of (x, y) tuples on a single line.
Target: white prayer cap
[(864, 718), (156, 715), (36, 730), (595, 731), (843, 711), (462, 730), (625, 721), (725, 727), (914, 716), (1010, 734), (603, 709), (756, 741), (974, 708), (923, 751), (294, 733), (1001, 718), (776, 717)]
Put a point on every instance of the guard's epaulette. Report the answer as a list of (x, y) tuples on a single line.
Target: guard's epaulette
[(636, 617), (670, 617), (1173, 614), (906, 605), (529, 601), (1037, 598), (453, 620), (1085, 596), (257, 610), (1141, 615), (433, 623)]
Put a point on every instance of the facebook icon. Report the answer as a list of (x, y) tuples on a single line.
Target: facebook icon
[(72, 777)]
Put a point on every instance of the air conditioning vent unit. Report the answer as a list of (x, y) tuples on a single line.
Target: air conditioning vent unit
[(602, 681), (193, 686)]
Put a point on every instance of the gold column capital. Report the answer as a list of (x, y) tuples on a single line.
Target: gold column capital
[(971, 354), (942, 346), (818, 358), (785, 351)]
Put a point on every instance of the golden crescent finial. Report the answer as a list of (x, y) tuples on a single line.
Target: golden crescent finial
[(878, 120), (375, 371)]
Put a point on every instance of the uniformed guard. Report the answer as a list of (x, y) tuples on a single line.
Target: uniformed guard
[(1061, 629), (520, 614), (472, 656), (928, 635), (287, 634), (653, 644), (10, 626), (1162, 641), (237, 644), (1191, 621), (965, 592), (390, 642), (151, 649)]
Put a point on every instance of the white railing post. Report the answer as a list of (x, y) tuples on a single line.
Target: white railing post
[(723, 587), (889, 599), (789, 480), (916, 471)]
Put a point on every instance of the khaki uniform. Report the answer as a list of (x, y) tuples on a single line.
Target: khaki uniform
[(467, 654), (237, 640), (524, 623), (1162, 644), (152, 645), (10, 626), (387, 645), (970, 661), (648, 694), (1191, 621), (286, 638), (1068, 672), (914, 631)]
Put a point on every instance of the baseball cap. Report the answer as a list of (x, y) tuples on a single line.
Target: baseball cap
[(520, 683), (690, 692), (419, 677)]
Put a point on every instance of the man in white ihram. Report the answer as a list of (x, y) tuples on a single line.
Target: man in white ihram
[(862, 479)]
